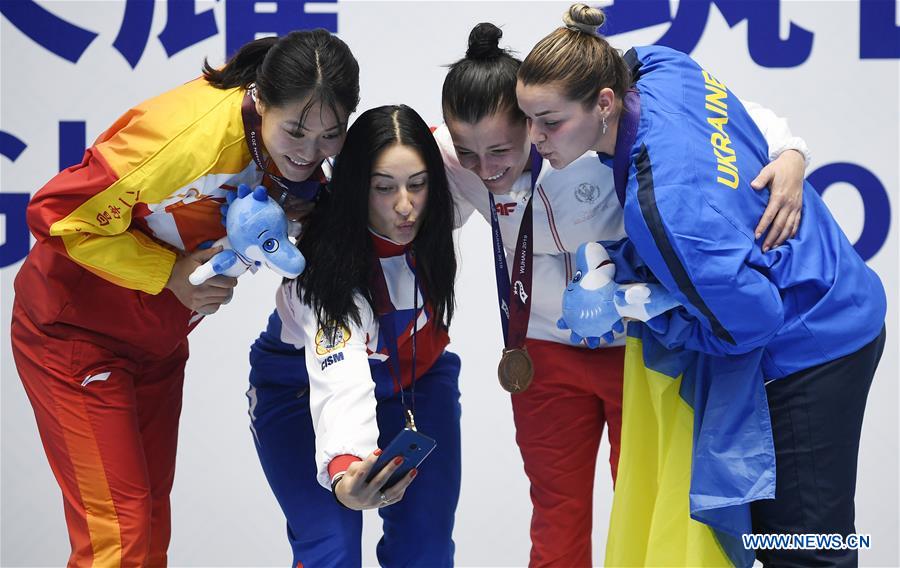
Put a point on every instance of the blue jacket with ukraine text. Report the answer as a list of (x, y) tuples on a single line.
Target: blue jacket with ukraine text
[(690, 213)]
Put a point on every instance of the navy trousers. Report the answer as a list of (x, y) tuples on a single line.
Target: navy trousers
[(817, 417), (417, 530)]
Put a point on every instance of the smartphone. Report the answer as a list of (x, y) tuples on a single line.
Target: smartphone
[(413, 446)]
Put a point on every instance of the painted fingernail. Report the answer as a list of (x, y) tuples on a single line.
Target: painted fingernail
[(758, 235), (766, 248), (377, 452), (413, 473), (398, 460)]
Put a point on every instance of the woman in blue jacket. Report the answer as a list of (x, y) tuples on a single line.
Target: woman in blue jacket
[(683, 151)]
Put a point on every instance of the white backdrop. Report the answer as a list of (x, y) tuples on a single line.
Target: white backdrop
[(841, 97)]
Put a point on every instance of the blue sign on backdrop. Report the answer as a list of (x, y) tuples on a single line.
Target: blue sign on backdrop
[(876, 205), (766, 47), (12, 206), (184, 27), (879, 35)]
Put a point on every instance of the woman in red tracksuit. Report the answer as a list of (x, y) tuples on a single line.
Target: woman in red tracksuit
[(103, 305)]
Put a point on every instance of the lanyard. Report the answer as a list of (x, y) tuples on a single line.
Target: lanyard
[(514, 299), (387, 332), (628, 126), (307, 189)]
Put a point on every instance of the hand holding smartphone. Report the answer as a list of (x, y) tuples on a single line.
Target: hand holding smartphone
[(413, 446)]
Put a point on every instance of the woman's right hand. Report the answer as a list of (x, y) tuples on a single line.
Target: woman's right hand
[(207, 297), (354, 493)]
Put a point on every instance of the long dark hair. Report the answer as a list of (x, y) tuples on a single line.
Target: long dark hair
[(301, 64), (484, 81), (336, 242)]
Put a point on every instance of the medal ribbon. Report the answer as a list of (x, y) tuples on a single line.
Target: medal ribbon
[(627, 133), (387, 332), (307, 189), (514, 298)]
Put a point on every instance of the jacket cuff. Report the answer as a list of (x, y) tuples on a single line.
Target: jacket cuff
[(340, 464), (792, 143)]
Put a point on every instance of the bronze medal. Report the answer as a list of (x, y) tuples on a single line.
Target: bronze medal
[(515, 370)]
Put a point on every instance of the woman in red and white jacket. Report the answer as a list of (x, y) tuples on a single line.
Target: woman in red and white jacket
[(370, 314)]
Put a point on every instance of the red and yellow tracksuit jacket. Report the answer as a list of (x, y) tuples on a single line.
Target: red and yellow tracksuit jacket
[(109, 229)]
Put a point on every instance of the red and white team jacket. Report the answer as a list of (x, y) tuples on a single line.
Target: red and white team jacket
[(347, 371)]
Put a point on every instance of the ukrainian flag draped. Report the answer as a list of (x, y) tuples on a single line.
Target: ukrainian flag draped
[(696, 450)]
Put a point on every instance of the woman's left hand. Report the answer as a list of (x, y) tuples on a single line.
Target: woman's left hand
[(784, 178), (354, 492)]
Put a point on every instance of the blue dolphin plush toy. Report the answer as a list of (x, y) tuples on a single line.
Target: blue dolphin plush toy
[(594, 304), (257, 234)]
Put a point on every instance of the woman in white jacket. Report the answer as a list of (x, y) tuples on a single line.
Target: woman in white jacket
[(371, 314)]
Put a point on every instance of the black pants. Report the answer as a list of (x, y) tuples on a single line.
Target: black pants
[(817, 418)]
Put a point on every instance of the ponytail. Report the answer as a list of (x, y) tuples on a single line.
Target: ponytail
[(242, 67)]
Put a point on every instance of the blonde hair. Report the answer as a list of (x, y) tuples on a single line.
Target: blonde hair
[(577, 58)]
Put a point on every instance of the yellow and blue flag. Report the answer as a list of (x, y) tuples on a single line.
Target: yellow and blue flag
[(696, 450)]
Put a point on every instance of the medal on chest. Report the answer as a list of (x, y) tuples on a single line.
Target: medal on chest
[(515, 370)]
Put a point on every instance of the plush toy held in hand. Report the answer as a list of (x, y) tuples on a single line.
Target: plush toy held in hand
[(594, 304), (257, 235)]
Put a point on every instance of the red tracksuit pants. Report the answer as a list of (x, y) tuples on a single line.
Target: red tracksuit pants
[(559, 423), (109, 426)]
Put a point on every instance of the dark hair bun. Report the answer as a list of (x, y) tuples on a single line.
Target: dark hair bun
[(484, 42)]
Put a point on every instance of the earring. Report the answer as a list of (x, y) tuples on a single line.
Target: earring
[(604, 125), (252, 90)]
